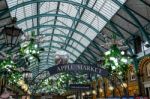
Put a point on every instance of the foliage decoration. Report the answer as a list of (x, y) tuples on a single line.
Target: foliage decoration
[(30, 48), (117, 61), (7, 65), (60, 82)]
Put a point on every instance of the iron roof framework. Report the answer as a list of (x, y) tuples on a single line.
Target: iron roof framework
[(78, 25)]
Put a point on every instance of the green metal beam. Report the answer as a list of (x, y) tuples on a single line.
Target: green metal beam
[(65, 50), (63, 1), (59, 35), (52, 21), (84, 6), (58, 26), (125, 8), (75, 31), (123, 29), (38, 22), (55, 20), (69, 2), (74, 40), (84, 61), (75, 23), (58, 42), (4, 18), (138, 14), (78, 15), (120, 33), (58, 15), (127, 20), (145, 3), (90, 51), (43, 63)]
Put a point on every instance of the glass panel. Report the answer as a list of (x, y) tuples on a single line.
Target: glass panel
[(109, 9), (68, 9), (48, 7), (106, 7), (85, 41)]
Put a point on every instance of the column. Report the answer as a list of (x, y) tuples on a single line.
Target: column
[(98, 89), (105, 85), (94, 90)]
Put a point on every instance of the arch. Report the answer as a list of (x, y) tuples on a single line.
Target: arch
[(85, 68), (58, 15), (58, 26), (68, 45), (65, 50), (63, 1), (142, 63), (76, 68)]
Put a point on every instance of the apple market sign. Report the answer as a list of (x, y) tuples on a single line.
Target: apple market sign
[(84, 68)]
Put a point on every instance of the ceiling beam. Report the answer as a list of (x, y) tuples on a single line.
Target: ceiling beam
[(141, 28), (78, 15), (55, 20)]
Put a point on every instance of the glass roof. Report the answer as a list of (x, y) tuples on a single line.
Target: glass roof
[(71, 23)]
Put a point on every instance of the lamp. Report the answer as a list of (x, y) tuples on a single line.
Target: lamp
[(100, 90), (83, 94), (87, 93), (12, 33), (111, 88), (94, 92), (124, 85)]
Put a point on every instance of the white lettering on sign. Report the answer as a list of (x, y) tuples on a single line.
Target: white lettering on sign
[(78, 68)]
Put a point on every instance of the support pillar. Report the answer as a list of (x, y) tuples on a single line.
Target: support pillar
[(94, 89), (98, 89), (105, 87)]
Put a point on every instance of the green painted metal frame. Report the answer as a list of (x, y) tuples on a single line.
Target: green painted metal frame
[(145, 3), (73, 3), (137, 22), (63, 1), (78, 15), (118, 31), (57, 26), (72, 18), (55, 20), (129, 21), (74, 40), (65, 50), (70, 2), (123, 29), (58, 15)]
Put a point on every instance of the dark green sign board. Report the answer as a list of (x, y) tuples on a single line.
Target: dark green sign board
[(77, 68)]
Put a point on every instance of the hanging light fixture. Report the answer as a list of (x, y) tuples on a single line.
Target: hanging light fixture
[(61, 57), (12, 33)]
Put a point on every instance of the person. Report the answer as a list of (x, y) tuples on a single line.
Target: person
[(10, 97), (5, 94)]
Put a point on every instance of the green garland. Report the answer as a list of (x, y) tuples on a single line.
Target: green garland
[(7, 65), (30, 48), (61, 83), (116, 61)]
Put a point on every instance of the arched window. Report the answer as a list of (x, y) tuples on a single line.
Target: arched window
[(132, 75), (148, 69)]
